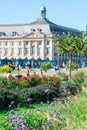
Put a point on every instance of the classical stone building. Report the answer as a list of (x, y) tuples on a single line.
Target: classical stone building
[(31, 41)]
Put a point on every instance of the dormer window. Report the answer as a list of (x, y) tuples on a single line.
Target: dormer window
[(39, 29), (2, 33), (32, 30), (14, 33)]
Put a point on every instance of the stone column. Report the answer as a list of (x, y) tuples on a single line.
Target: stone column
[(23, 48), (9, 48), (29, 48), (36, 47), (3, 49), (51, 50), (43, 49), (16, 49)]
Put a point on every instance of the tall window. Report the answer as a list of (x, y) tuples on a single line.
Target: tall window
[(6, 51), (20, 43), (26, 50), (20, 51), (6, 43), (0, 51), (48, 50), (12, 51), (26, 43), (48, 42), (12, 43), (39, 50), (0, 43), (33, 49), (40, 43)]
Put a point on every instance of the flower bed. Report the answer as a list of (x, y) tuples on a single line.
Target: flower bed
[(36, 88)]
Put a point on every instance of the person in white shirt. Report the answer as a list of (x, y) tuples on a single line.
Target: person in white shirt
[(9, 74)]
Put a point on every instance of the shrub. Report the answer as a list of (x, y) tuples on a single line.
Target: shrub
[(63, 76), (74, 86), (46, 65), (6, 96), (37, 93), (53, 81), (73, 66), (34, 80), (4, 69), (79, 73)]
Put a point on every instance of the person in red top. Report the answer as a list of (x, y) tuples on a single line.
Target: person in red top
[(34, 74)]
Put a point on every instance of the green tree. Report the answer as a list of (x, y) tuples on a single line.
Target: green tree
[(71, 44)]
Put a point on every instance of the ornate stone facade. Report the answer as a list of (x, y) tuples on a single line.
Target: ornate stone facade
[(34, 40)]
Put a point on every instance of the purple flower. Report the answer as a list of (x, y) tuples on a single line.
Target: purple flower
[(62, 89), (21, 128), (41, 102), (54, 99), (20, 120), (10, 106), (18, 105), (11, 111), (12, 102), (47, 90), (29, 99), (52, 104), (37, 109)]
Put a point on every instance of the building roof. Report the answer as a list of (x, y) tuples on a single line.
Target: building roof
[(54, 27), (43, 24)]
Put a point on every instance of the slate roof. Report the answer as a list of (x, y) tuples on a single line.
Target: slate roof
[(54, 27)]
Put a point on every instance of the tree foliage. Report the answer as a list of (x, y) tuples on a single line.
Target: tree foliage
[(71, 44)]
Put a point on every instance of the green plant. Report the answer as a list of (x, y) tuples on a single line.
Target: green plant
[(73, 66), (53, 81), (46, 65), (74, 86), (79, 73), (63, 76), (4, 69), (6, 96), (37, 93), (34, 80)]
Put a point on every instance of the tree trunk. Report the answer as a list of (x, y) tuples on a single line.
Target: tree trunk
[(70, 64)]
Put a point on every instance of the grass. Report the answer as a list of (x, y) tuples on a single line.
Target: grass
[(71, 115)]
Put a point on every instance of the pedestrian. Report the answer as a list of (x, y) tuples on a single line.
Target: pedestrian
[(9, 74), (41, 74), (34, 74), (27, 73)]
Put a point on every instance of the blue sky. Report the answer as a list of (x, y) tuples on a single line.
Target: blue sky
[(69, 13)]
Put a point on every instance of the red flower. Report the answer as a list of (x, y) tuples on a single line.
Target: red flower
[(25, 78), (3, 87)]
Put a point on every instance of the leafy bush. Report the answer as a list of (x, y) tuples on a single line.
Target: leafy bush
[(79, 73), (34, 80), (63, 76), (46, 65), (38, 93), (4, 69), (73, 66), (6, 96), (74, 86), (53, 81)]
